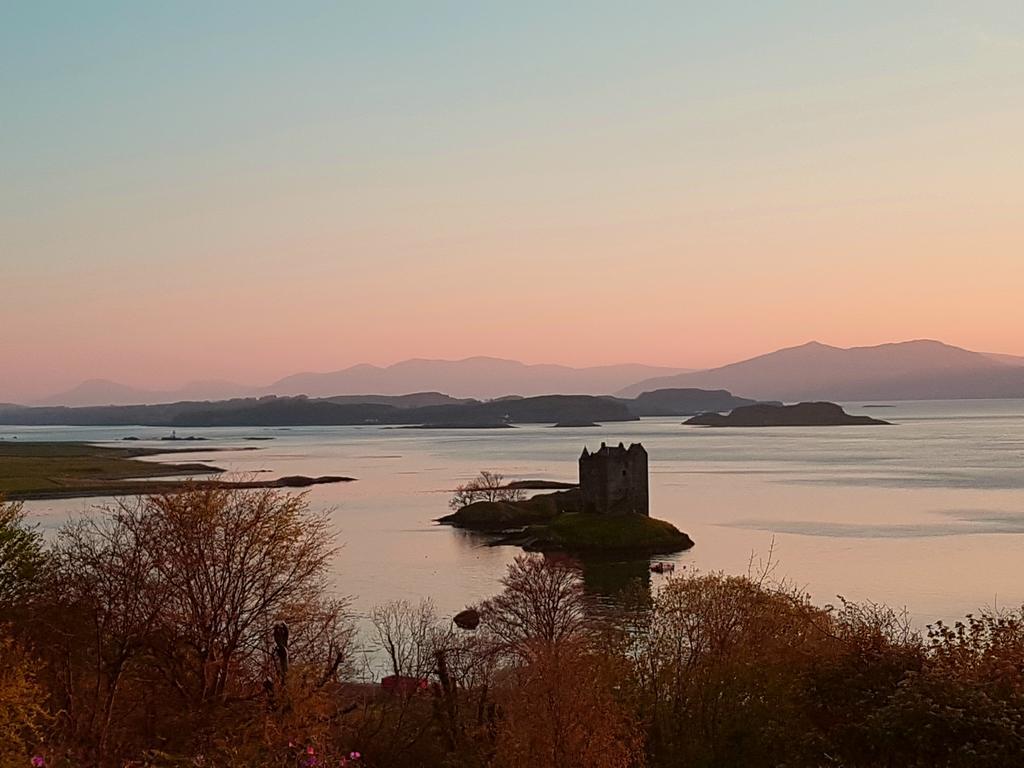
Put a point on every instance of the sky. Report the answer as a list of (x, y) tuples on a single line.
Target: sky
[(241, 191)]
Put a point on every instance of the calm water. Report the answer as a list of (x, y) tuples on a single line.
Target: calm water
[(927, 514)]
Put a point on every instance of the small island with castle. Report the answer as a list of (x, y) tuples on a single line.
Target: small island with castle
[(608, 511)]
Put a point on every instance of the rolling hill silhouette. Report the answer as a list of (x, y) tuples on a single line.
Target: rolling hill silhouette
[(478, 377), (911, 370), (475, 377)]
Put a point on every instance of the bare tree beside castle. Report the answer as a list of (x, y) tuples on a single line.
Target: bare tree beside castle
[(487, 486)]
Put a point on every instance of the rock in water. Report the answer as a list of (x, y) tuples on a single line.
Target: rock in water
[(467, 619)]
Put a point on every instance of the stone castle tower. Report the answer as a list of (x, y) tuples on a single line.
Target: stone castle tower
[(614, 480)]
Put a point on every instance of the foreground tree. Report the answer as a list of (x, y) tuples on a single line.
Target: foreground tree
[(541, 606), (230, 564), (567, 708), (23, 717), (410, 636), (964, 706), (720, 666), (104, 601), (166, 612), (22, 558)]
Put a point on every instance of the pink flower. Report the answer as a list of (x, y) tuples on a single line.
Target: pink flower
[(310, 751), (354, 755), (38, 761)]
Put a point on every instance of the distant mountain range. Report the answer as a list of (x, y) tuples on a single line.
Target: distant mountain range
[(106, 392), (911, 370), (474, 377), (477, 377), (908, 370)]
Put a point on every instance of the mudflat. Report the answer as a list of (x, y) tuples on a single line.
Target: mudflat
[(49, 470)]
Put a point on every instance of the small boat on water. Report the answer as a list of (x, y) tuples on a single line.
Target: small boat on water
[(662, 567)]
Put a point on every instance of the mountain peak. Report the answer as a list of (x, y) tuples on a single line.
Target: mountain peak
[(908, 370), (810, 346)]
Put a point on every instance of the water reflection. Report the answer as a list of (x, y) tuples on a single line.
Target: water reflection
[(925, 514), (608, 577), (604, 576)]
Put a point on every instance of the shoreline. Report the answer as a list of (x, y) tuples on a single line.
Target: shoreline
[(31, 471), (157, 487)]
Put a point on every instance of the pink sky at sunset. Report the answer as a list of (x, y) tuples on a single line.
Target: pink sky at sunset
[(675, 196)]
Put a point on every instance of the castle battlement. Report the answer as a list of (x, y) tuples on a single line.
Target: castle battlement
[(614, 479)]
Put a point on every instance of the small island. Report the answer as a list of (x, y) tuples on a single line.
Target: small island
[(607, 513), (461, 425), (173, 437), (769, 415)]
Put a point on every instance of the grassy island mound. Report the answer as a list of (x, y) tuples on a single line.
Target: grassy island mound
[(497, 516), (587, 532), (552, 522)]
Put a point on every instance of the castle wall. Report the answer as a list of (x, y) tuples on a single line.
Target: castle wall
[(593, 485), (614, 480)]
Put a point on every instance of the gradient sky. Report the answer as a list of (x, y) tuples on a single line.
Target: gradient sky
[(244, 190)]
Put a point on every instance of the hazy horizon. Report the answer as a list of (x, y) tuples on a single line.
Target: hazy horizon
[(488, 376), (246, 191), (171, 385)]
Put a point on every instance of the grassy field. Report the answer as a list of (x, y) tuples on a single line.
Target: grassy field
[(75, 470), (40, 470)]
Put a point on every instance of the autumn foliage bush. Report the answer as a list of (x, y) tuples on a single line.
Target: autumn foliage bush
[(199, 629)]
